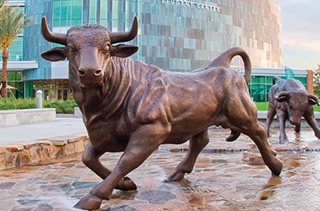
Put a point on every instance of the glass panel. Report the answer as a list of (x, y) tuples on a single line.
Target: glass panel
[(103, 13), (93, 10), (76, 12), (65, 94), (64, 13)]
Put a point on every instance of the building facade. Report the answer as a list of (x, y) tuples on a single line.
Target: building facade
[(176, 35)]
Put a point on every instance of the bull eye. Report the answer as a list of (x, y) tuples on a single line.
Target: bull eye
[(106, 49)]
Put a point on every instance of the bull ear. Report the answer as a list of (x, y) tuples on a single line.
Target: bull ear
[(313, 100), (55, 54), (123, 51), (282, 96)]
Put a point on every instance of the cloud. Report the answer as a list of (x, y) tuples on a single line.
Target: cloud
[(300, 33), (304, 44)]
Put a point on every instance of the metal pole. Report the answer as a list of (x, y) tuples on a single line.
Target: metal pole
[(39, 99)]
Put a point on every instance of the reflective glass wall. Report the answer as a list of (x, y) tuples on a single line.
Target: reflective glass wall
[(174, 35), (259, 87)]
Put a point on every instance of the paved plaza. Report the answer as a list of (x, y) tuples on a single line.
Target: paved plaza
[(220, 180)]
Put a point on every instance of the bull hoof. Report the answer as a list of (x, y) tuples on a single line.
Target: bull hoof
[(126, 184), (89, 202), (276, 168), (285, 141), (175, 177), (233, 136)]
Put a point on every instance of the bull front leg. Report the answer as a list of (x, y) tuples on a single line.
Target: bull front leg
[(270, 116), (196, 144), (297, 128), (142, 144), (91, 158), (313, 124), (282, 123)]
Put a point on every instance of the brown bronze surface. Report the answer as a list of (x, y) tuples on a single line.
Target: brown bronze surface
[(290, 100), (133, 107)]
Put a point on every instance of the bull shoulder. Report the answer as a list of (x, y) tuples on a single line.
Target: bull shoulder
[(149, 102)]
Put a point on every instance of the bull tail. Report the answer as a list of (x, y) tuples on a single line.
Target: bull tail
[(276, 79), (225, 60)]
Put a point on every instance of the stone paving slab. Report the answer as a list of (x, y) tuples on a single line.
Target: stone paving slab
[(220, 181)]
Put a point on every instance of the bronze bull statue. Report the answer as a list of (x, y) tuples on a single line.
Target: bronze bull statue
[(133, 107), (290, 100)]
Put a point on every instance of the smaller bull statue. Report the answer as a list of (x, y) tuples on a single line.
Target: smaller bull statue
[(132, 107), (290, 100)]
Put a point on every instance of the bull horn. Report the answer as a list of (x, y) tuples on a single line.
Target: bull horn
[(282, 94), (314, 98), (52, 37), (125, 36)]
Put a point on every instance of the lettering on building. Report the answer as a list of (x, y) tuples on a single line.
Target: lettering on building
[(192, 4)]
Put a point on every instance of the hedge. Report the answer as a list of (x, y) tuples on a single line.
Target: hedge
[(61, 106)]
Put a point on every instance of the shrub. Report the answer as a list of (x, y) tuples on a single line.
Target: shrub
[(61, 106)]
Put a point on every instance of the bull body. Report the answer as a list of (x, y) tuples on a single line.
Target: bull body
[(133, 107), (290, 100)]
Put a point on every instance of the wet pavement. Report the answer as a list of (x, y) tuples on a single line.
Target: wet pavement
[(220, 180)]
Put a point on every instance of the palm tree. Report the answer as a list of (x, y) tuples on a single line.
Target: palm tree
[(2, 4), (12, 24)]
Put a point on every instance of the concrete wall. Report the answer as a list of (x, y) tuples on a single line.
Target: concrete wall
[(26, 116), (77, 112)]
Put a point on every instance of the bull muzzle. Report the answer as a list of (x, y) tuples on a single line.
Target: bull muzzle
[(90, 77), (94, 72)]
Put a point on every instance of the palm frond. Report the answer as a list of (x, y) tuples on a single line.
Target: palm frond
[(12, 24)]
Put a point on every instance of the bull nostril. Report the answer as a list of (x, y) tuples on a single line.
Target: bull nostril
[(98, 73), (82, 73)]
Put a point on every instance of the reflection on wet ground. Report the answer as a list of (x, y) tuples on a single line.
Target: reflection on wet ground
[(220, 181)]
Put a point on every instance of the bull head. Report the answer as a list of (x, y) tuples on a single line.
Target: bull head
[(285, 96), (88, 49), (297, 104)]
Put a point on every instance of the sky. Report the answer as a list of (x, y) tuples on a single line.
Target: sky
[(301, 33)]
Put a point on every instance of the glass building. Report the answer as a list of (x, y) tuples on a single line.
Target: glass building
[(176, 35)]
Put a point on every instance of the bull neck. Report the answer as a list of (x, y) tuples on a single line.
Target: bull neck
[(109, 98)]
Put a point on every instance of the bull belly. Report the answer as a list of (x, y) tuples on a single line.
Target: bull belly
[(182, 133)]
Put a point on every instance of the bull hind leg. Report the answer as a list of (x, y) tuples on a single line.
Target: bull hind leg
[(91, 158), (259, 137), (246, 112), (196, 144)]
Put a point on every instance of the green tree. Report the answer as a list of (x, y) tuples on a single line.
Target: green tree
[(12, 23), (316, 82)]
